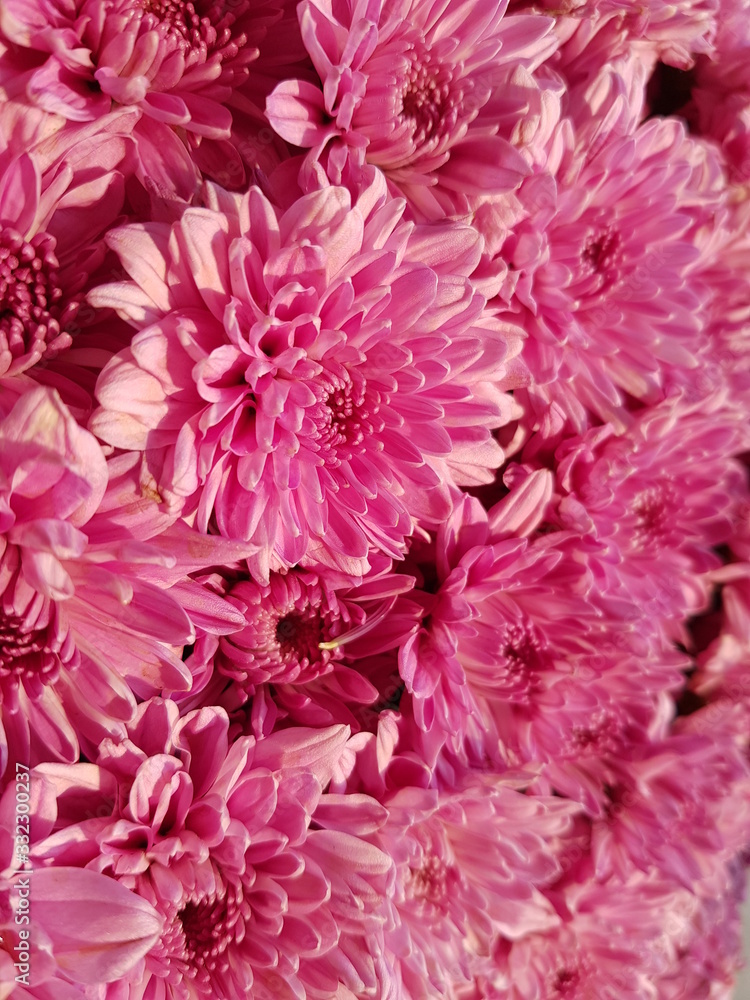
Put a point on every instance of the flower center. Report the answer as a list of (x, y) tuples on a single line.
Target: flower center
[(299, 636), (522, 656), (200, 30), (199, 938), (430, 881), (601, 253), (281, 643), (653, 510), (180, 17), (565, 983), (426, 97), (30, 307), (343, 420), (601, 736)]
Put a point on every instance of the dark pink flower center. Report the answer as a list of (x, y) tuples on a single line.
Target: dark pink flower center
[(299, 636), (523, 655), (601, 736), (601, 250), (565, 983), (201, 30), (285, 631), (196, 946), (430, 881), (346, 417), (654, 510), (426, 98), (30, 300)]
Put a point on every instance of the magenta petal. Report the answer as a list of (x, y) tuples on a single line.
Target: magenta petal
[(523, 509), (297, 112), (483, 166), (20, 188), (98, 928)]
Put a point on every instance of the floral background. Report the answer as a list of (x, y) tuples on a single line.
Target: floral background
[(374, 499)]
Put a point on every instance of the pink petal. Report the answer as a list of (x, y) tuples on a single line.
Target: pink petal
[(98, 928)]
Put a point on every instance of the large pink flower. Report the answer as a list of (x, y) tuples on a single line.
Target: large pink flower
[(303, 647), (416, 87), (653, 818), (178, 61), (609, 252), (314, 380), (494, 604), (472, 861), (473, 857), (89, 614), (217, 837), (59, 191), (664, 495)]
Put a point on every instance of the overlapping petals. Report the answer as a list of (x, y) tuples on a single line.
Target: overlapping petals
[(296, 376), (374, 499)]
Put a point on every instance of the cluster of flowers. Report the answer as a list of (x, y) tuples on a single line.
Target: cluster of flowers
[(374, 511)]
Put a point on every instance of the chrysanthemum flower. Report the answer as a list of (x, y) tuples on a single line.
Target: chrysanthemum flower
[(314, 381), (217, 837), (472, 859), (474, 865), (610, 946), (308, 638), (502, 614), (59, 191), (87, 616), (610, 260), (652, 818), (413, 86), (664, 494), (177, 60)]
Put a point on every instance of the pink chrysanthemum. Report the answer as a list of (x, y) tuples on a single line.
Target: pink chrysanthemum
[(664, 494), (59, 191), (503, 614), (304, 637), (216, 837), (177, 60), (314, 381), (609, 946), (87, 618), (608, 264), (473, 862), (652, 819), (416, 87)]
